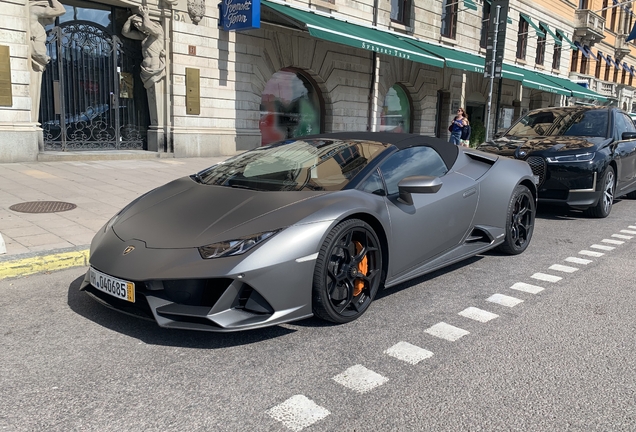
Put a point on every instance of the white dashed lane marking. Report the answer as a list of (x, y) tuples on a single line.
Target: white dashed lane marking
[(632, 227), (602, 247), (628, 231), (478, 314), (614, 242), (562, 268), (591, 253), (576, 260), (504, 300), (446, 331), (521, 286), (298, 412), (546, 277), (409, 353), (621, 236), (360, 379)]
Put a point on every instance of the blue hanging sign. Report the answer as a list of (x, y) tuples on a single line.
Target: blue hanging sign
[(240, 14)]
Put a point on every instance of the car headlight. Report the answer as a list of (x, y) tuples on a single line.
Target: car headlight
[(234, 247), (581, 157)]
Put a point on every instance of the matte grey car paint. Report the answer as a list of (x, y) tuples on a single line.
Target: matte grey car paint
[(169, 223)]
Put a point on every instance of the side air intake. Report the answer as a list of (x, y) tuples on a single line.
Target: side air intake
[(478, 236)]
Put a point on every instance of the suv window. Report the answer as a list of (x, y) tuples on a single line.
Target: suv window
[(412, 161)]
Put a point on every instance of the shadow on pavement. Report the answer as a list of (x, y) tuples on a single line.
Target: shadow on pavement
[(150, 333)]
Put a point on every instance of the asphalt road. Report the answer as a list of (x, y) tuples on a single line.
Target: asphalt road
[(563, 359)]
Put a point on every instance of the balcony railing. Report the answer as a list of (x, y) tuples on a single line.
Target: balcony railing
[(589, 26)]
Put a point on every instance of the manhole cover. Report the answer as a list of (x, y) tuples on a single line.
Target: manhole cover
[(42, 207)]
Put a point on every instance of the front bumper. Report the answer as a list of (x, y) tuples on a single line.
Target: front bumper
[(574, 184), (178, 289)]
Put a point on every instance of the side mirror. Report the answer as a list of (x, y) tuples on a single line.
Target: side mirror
[(627, 136), (418, 185)]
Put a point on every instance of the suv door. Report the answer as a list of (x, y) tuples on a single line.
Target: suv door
[(625, 154)]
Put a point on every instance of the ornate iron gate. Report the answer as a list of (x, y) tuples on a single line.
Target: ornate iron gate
[(92, 96)]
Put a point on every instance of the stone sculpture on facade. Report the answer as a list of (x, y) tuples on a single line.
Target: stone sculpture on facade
[(196, 10), (153, 67), (41, 13)]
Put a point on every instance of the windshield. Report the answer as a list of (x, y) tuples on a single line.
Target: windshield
[(316, 164), (589, 123)]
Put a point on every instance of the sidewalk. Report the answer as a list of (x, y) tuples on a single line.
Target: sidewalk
[(41, 242)]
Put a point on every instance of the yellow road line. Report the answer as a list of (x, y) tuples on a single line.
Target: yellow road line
[(45, 263)]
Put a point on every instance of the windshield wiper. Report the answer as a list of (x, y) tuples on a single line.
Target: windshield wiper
[(197, 178)]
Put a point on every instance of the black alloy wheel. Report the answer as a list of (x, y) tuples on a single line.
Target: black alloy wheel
[(519, 221), (604, 206), (348, 272)]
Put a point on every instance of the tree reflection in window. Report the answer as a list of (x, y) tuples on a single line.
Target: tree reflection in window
[(290, 108), (395, 115)]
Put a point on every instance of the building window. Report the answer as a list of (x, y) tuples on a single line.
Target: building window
[(583, 4), (604, 11), (291, 106), (400, 11), (522, 38), (615, 75), (597, 72), (395, 115), (607, 70), (556, 55), (574, 61), (584, 62), (613, 22), (449, 18), (485, 22), (541, 41), (631, 76)]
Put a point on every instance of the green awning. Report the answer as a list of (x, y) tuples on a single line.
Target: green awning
[(565, 38), (557, 41), (453, 58), (549, 83), (470, 4), (540, 33), (577, 90), (357, 36), (533, 80)]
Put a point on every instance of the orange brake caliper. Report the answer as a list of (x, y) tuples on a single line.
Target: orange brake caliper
[(363, 267)]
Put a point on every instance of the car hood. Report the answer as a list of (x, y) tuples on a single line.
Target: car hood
[(184, 214), (511, 146)]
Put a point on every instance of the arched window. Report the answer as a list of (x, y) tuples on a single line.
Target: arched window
[(290, 107), (395, 115)]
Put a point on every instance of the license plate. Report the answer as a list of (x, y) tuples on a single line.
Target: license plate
[(116, 287)]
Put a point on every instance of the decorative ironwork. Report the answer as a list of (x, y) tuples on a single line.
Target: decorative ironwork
[(92, 97)]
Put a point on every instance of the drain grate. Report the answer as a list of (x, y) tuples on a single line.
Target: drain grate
[(42, 207)]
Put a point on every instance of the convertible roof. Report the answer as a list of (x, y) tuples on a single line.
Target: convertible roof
[(446, 150)]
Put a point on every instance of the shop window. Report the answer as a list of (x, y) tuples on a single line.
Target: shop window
[(449, 18), (291, 107), (395, 115), (522, 39), (400, 11)]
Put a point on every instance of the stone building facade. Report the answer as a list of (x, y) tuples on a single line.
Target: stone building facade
[(164, 77)]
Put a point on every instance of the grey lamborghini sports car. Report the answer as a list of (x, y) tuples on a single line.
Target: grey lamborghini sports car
[(308, 226)]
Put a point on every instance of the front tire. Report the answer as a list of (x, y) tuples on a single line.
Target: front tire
[(348, 272), (519, 221), (604, 206)]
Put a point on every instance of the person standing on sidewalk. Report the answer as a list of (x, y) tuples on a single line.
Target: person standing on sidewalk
[(456, 127), (465, 137)]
